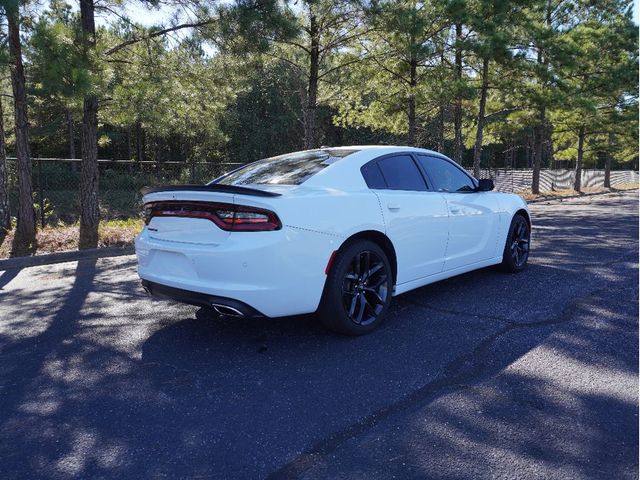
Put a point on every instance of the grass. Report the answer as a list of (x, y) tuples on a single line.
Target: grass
[(568, 193), (59, 238)]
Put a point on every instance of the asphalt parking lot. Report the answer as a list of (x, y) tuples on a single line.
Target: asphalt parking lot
[(486, 375)]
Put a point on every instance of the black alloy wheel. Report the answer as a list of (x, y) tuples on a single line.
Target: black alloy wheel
[(364, 288), (358, 289), (520, 243), (516, 250)]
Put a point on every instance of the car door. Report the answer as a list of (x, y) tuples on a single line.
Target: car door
[(473, 215), (415, 218)]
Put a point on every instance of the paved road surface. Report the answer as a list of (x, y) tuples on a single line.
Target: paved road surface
[(486, 375)]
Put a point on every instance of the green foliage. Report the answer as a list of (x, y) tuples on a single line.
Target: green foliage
[(402, 49), (55, 64), (268, 108), (172, 92), (234, 90), (43, 208), (601, 94)]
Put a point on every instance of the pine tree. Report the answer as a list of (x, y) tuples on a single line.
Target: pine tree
[(494, 25), (398, 88), (25, 236), (602, 84), (5, 212)]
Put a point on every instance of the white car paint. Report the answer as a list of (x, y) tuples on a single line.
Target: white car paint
[(408, 216), (435, 235), (474, 219)]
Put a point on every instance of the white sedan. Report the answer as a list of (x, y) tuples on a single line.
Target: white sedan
[(337, 231)]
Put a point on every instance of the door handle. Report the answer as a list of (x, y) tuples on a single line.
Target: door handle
[(393, 206)]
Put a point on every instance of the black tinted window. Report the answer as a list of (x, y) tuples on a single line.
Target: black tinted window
[(289, 169), (445, 176), (401, 173), (373, 176)]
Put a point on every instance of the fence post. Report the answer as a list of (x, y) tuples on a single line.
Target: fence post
[(41, 193)]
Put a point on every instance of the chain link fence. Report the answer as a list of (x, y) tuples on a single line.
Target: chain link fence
[(553, 180), (56, 183)]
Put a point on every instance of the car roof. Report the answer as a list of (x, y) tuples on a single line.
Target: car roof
[(345, 174), (377, 148)]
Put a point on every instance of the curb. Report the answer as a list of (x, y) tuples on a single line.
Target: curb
[(60, 257), (584, 195)]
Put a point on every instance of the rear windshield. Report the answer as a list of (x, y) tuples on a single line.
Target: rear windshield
[(288, 169)]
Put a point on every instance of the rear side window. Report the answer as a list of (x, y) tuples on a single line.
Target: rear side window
[(401, 173), (445, 176), (373, 176), (289, 169)]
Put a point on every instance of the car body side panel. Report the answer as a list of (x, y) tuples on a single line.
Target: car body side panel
[(474, 220), (510, 203), (330, 211), (421, 282), (506, 205), (417, 224)]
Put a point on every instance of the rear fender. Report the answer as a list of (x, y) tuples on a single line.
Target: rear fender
[(327, 211)]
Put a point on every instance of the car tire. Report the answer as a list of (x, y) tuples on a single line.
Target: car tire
[(358, 289), (516, 248)]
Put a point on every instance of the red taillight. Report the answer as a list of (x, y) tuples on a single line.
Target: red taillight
[(234, 218)]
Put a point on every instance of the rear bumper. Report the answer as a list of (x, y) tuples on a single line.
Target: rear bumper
[(277, 273), (223, 305)]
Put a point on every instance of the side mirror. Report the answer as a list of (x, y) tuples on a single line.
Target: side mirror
[(485, 185)]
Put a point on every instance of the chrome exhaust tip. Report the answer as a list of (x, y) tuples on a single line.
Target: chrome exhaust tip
[(227, 311)]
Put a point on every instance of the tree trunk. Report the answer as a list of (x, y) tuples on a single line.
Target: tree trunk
[(608, 161), (139, 142), (548, 151), (440, 140), (310, 109), (539, 135), (5, 213), (577, 185), (540, 131), (156, 148), (411, 114), (129, 149), (25, 238), (144, 145), (477, 149), (89, 207), (71, 133), (457, 114)]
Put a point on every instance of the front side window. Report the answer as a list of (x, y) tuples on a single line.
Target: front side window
[(401, 173), (289, 169), (445, 176)]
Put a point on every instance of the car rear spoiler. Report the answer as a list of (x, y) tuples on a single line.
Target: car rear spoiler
[(212, 187)]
